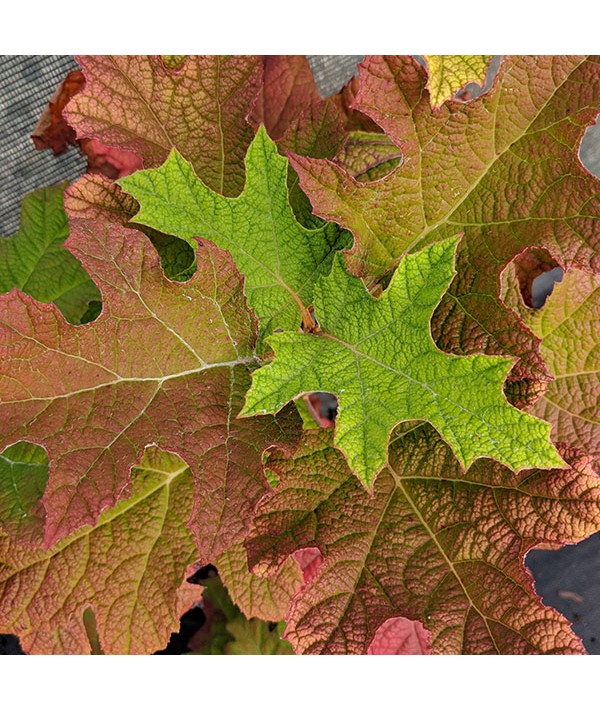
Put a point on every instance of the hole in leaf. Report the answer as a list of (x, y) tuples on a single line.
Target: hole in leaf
[(10, 644), (178, 258), (589, 149), (323, 408), (531, 265), (93, 311), (543, 285), (202, 574), (369, 156), (189, 623)]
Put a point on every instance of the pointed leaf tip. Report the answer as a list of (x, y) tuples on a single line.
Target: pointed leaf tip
[(378, 357)]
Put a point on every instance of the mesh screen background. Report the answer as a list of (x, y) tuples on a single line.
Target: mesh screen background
[(26, 84)]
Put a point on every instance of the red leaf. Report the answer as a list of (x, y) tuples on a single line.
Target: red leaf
[(52, 131), (400, 636)]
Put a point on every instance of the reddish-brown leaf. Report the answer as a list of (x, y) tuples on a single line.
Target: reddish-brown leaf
[(165, 363), (504, 169), (51, 130), (143, 104), (434, 544)]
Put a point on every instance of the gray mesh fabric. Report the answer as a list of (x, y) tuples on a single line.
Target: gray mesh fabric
[(26, 84)]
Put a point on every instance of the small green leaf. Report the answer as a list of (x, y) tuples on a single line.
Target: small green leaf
[(34, 260), (378, 357), (280, 258), (256, 637)]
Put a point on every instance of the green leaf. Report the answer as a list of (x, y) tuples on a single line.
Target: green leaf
[(280, 258), (502, 169), (256, 637), (450, 72), (34, 260), (378, 357)]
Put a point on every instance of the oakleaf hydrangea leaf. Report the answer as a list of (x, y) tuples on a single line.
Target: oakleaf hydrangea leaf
[(280, 259), (165, 363), (96, 198), (503, 169), (568, 326), (267, 598), (148, 105), (450, 72), (128, 567), (34, 260), (434, 543), (378, 357)]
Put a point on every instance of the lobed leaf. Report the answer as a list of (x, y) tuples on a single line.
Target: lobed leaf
[(280, 259), (503, 169), (165, 363), (433, 543), (378, 357), (128, 568)]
